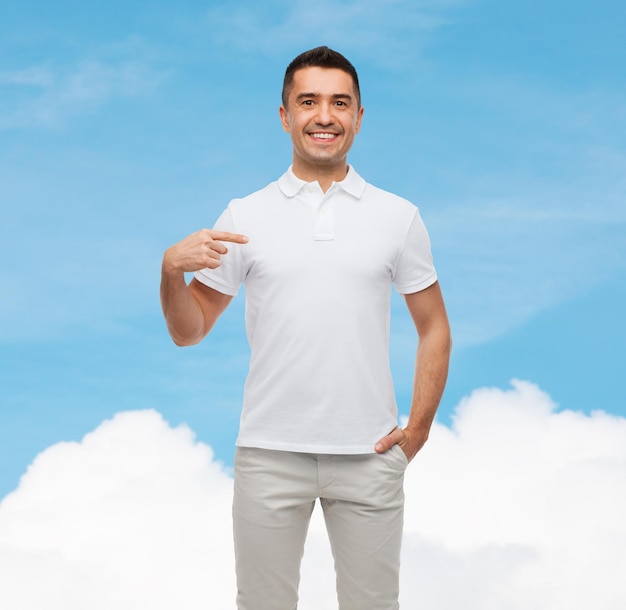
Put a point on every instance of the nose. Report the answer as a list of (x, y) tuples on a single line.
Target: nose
[(324, 114)]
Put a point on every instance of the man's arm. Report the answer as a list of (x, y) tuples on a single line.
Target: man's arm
[(431, 370), (191, 310)]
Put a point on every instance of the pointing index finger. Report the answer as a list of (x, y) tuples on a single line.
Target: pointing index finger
[(235, 238)]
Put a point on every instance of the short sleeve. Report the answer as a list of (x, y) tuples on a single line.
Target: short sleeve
[(415, 270), (228, 276)]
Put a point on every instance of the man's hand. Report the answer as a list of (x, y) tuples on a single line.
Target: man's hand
[(431, 369), (191, 311), (410, 441), (199, 250)]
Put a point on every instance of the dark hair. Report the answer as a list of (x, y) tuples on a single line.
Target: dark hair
[(320, 57)]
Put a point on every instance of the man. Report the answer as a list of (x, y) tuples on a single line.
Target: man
[(318, 252)]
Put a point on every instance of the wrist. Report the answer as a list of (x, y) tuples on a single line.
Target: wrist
[(417, 428), (168, 267)]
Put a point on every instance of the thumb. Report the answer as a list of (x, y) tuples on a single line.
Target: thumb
[(387, 442)]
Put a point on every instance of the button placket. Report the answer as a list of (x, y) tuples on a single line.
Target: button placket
[(324, 220)]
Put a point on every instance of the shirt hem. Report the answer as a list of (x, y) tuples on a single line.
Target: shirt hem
[(211, 283), (411, 288), (309, 448)]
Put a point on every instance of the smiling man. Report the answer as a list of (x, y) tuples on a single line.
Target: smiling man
[(318, 252), (322, 111)]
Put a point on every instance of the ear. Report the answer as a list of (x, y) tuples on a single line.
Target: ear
[(284, 118), (359, 117)]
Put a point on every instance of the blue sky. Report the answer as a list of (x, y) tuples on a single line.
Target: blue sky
[(126, 126)]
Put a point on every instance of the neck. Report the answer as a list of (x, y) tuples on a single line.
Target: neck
[(325, 175)]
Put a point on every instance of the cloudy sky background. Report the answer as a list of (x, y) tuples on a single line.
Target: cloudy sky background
[(124, 127)]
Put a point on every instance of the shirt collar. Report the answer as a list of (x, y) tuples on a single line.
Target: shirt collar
[(353, 184)]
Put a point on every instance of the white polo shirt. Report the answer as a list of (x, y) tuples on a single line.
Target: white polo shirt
[(318, 270)]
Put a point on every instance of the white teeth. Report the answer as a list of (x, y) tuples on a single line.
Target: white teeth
[(324, 136)]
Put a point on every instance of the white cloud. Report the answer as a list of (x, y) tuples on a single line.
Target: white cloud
[(521, 505), (48, 94), (516, 506), (389, 32), (134, 516)]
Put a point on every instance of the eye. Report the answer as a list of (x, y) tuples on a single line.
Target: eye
[(307, 103)]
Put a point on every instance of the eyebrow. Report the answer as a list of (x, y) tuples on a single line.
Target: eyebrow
[(335, 96)]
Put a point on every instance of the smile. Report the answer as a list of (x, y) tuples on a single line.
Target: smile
[(323, 135)]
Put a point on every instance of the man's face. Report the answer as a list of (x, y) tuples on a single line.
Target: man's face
[(322, 116)]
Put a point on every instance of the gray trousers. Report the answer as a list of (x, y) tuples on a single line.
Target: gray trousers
[(363, 502)]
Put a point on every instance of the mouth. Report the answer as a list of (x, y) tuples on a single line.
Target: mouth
[(323, 135)]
